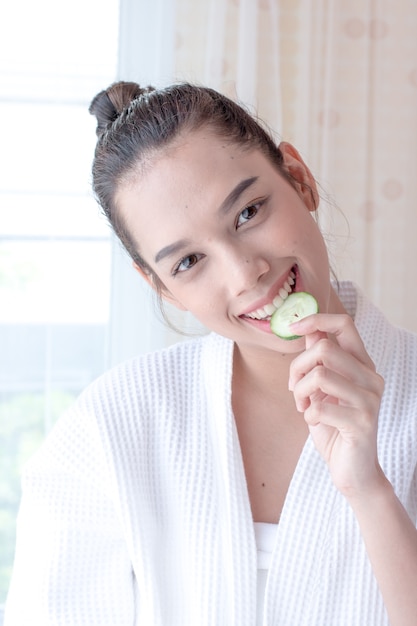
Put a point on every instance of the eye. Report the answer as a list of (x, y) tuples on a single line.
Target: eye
[(186, 263), (248, 213)]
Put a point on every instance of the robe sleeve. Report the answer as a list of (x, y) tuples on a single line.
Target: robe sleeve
[(71, 563)]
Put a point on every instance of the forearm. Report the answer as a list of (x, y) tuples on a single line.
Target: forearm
[(391, 542)]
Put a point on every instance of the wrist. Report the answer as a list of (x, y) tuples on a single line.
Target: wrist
[(379, 492)]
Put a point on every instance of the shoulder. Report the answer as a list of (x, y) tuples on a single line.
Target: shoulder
[(130, 404), (170, 371), (393, 349), (394, 352), (152, 384)]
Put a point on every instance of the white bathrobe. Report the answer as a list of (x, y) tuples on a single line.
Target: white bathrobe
[(135, 511)]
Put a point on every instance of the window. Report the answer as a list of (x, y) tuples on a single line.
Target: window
[(55, 248)]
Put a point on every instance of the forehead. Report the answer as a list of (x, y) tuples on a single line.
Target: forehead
[(199, 163), (179, 189)]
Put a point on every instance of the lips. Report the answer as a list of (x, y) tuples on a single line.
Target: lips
[(265, 312)]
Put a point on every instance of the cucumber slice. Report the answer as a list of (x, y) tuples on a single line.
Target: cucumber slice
[(294, 308)]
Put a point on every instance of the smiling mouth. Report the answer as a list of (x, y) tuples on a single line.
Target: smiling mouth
[(265, 312)]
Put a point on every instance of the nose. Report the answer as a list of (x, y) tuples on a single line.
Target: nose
[(242, 269)]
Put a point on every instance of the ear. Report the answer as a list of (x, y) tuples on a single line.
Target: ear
[(160, 289), (302, 177)]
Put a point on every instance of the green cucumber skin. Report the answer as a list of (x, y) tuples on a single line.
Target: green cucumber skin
[(292, 337), (288, 338)]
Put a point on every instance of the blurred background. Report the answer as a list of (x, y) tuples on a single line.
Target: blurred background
[(337, 78)]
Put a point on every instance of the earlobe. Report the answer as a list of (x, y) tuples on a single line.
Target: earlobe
[(301, 175), (159, 288)]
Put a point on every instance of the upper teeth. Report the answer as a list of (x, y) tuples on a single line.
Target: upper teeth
[(269, 309)]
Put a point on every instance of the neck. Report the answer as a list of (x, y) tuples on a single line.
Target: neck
[(265, 371)]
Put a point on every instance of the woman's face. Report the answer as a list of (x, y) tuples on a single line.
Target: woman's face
[(223, 230)]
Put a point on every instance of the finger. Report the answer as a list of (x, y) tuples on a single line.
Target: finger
[(303, 403), (328, 353), (352, 424), (324, 381), (340, 326)]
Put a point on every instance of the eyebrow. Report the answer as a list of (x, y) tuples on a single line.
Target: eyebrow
[(225, 206), (235, 194), (171, 249)]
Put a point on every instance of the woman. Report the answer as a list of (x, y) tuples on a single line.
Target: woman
[(237, 478)]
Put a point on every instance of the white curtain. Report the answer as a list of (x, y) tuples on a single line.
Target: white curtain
[(358, 129)]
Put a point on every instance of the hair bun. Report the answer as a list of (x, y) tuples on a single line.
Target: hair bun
[(109, 103)]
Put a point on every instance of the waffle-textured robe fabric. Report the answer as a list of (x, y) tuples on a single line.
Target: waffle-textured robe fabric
[(135, 511)]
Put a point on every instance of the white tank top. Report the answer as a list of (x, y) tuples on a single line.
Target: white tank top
[(265, 535)]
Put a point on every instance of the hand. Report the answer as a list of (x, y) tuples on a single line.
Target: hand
[(337, 388)]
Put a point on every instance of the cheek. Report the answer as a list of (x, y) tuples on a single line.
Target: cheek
[(200, 300), (207, 306), (294, 246), (310, 237)]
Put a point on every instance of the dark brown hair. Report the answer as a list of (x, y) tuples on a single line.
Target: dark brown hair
[(133, 123)]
